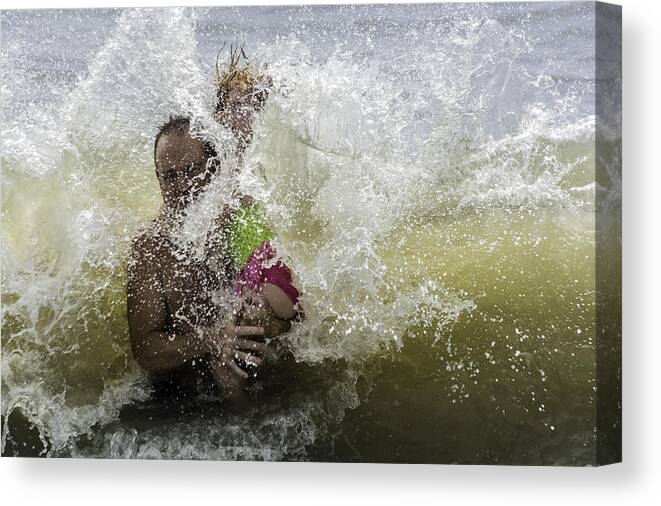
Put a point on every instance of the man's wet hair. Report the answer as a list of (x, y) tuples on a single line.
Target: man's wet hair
[(180, 125)]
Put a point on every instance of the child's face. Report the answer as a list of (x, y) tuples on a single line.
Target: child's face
[(237, 113)]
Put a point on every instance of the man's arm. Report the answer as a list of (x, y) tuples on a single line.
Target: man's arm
[(153, 348), (159, 351)]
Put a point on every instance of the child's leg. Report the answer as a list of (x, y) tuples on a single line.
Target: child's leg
[(279, 301)]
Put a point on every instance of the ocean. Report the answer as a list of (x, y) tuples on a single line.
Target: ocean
[(428, 171)]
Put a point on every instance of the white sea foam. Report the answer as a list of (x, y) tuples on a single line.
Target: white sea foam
[(348, 153)]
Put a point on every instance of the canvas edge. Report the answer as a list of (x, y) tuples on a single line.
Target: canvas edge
[(608, 232)]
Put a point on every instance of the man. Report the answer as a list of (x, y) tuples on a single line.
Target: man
[(177, 331)]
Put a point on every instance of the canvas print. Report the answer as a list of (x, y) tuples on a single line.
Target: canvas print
[(357, 233)]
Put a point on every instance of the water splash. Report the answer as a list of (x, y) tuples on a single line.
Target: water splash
[(357, 151)]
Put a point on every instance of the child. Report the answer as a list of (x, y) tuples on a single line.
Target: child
[(263, 281)]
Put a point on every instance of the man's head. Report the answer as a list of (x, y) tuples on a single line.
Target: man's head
[(181, 161), (240, 92)]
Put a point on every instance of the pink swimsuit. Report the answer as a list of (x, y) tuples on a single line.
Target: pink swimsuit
[(254, 274)]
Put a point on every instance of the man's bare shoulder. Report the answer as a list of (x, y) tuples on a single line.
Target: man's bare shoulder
[(147, 244)]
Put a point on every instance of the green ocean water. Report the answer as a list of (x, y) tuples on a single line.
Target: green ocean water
[(510, 379), (443, 228)]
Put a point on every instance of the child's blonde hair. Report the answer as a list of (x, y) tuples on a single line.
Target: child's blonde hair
[(238, 73)]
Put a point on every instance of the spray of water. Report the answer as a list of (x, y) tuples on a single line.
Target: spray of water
[(349, 156)]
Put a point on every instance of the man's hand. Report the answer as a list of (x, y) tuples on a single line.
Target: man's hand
[(235, 346), (255, 309)]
